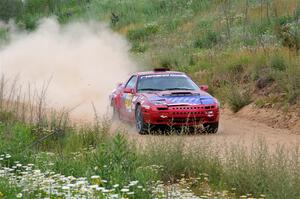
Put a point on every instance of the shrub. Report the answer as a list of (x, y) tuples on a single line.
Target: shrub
[(138, 47), (141, 34), (237, 99), (10, 9), (291, 83), (7, 190), (30, 21), (7, 117), (3, 34), (209, 40), (277, 62)]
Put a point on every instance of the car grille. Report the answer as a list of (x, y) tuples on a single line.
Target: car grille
[(190, 107), (183, 114)]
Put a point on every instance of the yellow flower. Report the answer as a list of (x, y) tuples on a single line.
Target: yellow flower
[(1, 194), (96, 180)]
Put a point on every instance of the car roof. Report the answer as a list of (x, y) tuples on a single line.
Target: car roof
[(158, 73)]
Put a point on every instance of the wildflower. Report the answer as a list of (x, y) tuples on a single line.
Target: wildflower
[(133, 183), (124, 190), (95, 177), (116, 186), (105, 191), (96, 180), (19, 195), (65, 188), (1, 194)]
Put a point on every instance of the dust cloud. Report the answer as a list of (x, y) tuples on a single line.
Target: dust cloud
[(84, 61)]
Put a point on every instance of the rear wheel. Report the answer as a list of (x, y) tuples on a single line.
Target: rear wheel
[(211, 127), (139, 121)]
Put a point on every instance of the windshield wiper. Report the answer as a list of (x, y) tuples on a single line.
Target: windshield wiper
[(182, 88), (149, 89)]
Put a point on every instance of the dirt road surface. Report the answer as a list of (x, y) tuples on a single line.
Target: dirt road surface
[(233, 130)]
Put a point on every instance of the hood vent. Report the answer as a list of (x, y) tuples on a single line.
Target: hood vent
[(180, 94)]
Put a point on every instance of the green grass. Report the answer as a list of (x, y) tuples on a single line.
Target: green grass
[(116, 159)]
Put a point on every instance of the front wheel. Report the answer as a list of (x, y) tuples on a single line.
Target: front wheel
[(139, 120), (211, 127)]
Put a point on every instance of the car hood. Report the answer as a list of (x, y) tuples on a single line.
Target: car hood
[(180, 97)]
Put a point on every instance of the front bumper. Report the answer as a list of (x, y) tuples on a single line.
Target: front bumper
[(181, 115)]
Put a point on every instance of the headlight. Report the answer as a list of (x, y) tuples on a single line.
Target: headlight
[(159, 102), (146, 107)]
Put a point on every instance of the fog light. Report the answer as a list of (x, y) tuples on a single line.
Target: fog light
[(210, 113)]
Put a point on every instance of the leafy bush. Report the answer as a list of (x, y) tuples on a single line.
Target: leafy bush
[(209, 40), (237, 99), (3, 34), (142, 33), (30, 21), (10, 9), (290, 82), (138, 47), (277, 62)]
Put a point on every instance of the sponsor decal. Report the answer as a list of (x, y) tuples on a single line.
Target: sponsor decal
[(128, 102)]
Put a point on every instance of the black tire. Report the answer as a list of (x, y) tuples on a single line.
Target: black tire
[(211, 128), (141, 127)]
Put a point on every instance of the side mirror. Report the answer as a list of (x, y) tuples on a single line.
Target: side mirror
[(204, 88), (128, 90)]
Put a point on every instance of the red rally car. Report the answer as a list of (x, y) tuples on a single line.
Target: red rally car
[(163, 97)]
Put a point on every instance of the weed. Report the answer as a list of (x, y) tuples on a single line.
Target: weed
[(209, 40), (141, 34), (238, 99)]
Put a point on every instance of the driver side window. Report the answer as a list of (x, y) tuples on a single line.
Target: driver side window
[(131, 83)]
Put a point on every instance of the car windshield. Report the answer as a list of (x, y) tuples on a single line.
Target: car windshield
[(165, 82)]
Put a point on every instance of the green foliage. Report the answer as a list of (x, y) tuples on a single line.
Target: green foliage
[(138, 47), (141, 34), (6, 117), (237, 99), (209, 40), (10, 9), (3, 34), (8, 190), (277, 62), (290, 83), (41, 6), (30, 21), (17, 140), (115, 159), (169, 155)]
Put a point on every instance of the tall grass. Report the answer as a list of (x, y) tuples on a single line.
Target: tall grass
[(255, 171)]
